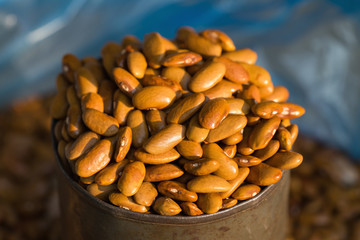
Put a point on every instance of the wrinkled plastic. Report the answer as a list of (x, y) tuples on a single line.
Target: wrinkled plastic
[(311, 47)]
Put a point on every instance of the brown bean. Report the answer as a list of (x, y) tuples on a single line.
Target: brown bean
[(280, 94), (131, 178), (95, 67), (123, 201), (258, 75), (202, 166), (162, 158), (59, 106), (243, 147), (267, 152), (155, 120), (157, 80), (210, 202), (242, 55), (82, 144), (154, 49), (122, 106), (61, 150), (285, 122), (252, 119), (95, 159), (264, 175), (64, 133), (127, 83), (266, 110), (72, 97), (230, 150), (195, 132), (109, 53), (70, 63), (235, 72), (123, 143), (175, 191), (285, 160), (85, 82), (247, 161), (208, 184), (137, 64), (92, 101), (190, 149), (251, 94), (185, 108), (183, 33), (202, 45), (238, 106), (266, 90), (236, 182), (224, 89), (106, 91), (169, 45), (213, 112), (100, 123), (284, 137), (228, 168), (57, 129), (217, 36), (294, 131), (146, 194), (87, 180), (100, 191), (262, 133), (228, 203), (152, 71), (131, 41), (166, 139), (150, 97), (207, 77), (74, 123), (136, 121), (190, 209), (110, 173), (229, 126), (178, 75), (181, 59), (291, 110), (162, 172), (233, 139), (166, 206), (246, 192)]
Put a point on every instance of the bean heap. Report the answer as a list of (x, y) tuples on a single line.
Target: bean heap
[(188, 126)]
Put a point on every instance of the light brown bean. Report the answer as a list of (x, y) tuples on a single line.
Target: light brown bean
[(74, 123), (264, 175), (217, 36), (100, 191), (246, 192), (169, 156), (238, 106), (233, 139), (146, 194), (106, 91), (100, 122), (202, 45), (210, 202), (189, 149), (190, 209), (284, 138), (157, 80), (151, 97), (258, 75), (247, 161), (110, 173), (127, 83), (242, 55), (291, 111), (70, 63), (122, 106), (267, 152), (285, 160), (207, 77), (136, 121), (235, 72), (213, 112), (266, 110), (208, 184), (228, 203), (92, 101), (123, 143), (82, 144), (262, 133), (166, 206), (202, 166), (230, 150), (166, 139), (229, 126), (280, 94), (162, 172), (224, 89), (154, 49), (85, 82), (137, 64), (181, 59), (131, 178), (185, 108), (175, 191), (243, 147), (178, 75), (195, 132), (94, 160), (294, 131)]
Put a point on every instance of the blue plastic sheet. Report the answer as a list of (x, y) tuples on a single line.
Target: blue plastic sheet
[(311, 47)]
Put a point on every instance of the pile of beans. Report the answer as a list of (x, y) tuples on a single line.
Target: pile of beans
[(187, 126)]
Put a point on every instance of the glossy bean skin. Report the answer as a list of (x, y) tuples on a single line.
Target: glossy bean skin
[(162, 172), (123, 143), (247, 161), (291, 111), (234, 71), (195, 132), (131, 179), (146, 194), (151, 97), (267, 152), (262, 133), (158, 80), (122, 106), (189, 149), (208, 184), (246, 192), (280, 94), (267, 109), (166, 206), (209, 202), (220, 37), (100, 123), (190, 209), (228, 203), (236, 182), (136, 121), (264, 175), (126, 81), (156, 120), (93, 101), (181, 59), (207, 77), (175, 191), (242, 55), (123, 201), (82, 144), (202, 166), (137, 64), (110, 173), (230, 125), (162, 158), (285, 160), (202, 45), (213, 112), (100, 191)]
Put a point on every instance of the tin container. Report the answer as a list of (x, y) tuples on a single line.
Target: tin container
[(264, 217)]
